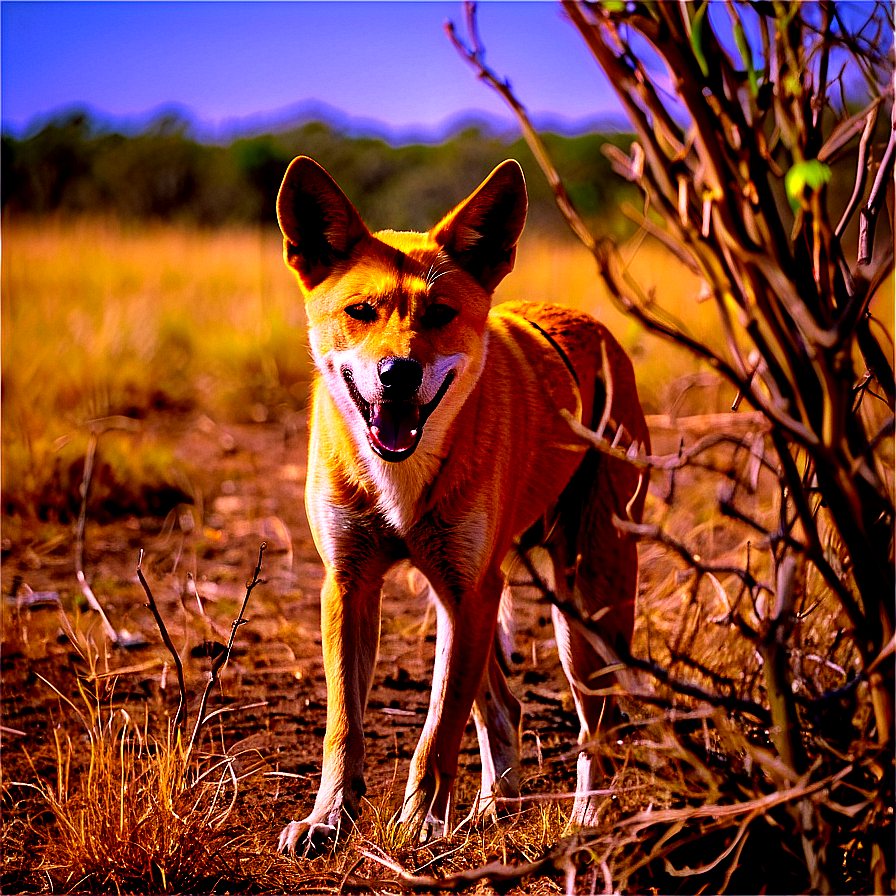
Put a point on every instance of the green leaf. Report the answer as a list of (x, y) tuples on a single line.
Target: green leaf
[(697, 24), (746, 53), (811, 175)]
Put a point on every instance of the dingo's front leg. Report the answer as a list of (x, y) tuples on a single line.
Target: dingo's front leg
[(350, 625), (465, 632)]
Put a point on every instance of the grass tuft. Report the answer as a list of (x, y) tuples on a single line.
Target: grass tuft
[(122, 810)]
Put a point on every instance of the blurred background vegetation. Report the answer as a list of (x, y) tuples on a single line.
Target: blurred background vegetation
[(75, 164)]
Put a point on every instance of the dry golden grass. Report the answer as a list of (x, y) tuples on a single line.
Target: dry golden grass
[(102, 322), (118, 804), (98, 316)]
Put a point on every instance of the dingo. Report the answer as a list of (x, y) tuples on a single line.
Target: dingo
[(436, 436)]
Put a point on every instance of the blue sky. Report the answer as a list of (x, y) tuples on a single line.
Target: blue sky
[(224, 61)]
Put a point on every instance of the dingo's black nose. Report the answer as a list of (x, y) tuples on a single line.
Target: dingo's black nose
[(401, 378)]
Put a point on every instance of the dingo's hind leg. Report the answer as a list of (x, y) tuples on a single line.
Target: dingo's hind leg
[(497, 714), (595, 570)]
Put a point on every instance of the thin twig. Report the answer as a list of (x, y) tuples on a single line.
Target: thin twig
[(180, 717), (861, 171), (220, 660), (475, 56), (86, 590), (868, 215), (684, 688)]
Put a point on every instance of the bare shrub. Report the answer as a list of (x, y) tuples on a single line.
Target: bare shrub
[(764, 151)]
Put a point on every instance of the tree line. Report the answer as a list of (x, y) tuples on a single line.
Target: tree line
[(76, 165)]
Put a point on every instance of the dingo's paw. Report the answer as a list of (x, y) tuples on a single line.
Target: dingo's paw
[(432, 829), (307, 838)]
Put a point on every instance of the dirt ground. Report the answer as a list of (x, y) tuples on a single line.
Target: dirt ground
[(248, 487)]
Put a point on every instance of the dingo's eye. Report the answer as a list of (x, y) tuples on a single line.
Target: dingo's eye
[(438, 315), (362, 311)]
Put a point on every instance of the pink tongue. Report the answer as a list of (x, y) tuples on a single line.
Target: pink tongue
[(394, 424)]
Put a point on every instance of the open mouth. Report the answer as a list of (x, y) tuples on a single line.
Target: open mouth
[(394, 428)]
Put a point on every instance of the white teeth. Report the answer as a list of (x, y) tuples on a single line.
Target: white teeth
[(413, 433), (376, 432)]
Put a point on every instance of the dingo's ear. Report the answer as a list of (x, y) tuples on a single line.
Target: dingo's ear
[(319, 223), (482, 232)]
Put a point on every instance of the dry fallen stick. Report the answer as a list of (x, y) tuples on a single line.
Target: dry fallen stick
[(496, 873)]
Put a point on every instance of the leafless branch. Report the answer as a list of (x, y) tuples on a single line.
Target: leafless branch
[(475, 56), (180, 717), (868, 215), (220, 659), (861, 169), (661, 674)]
